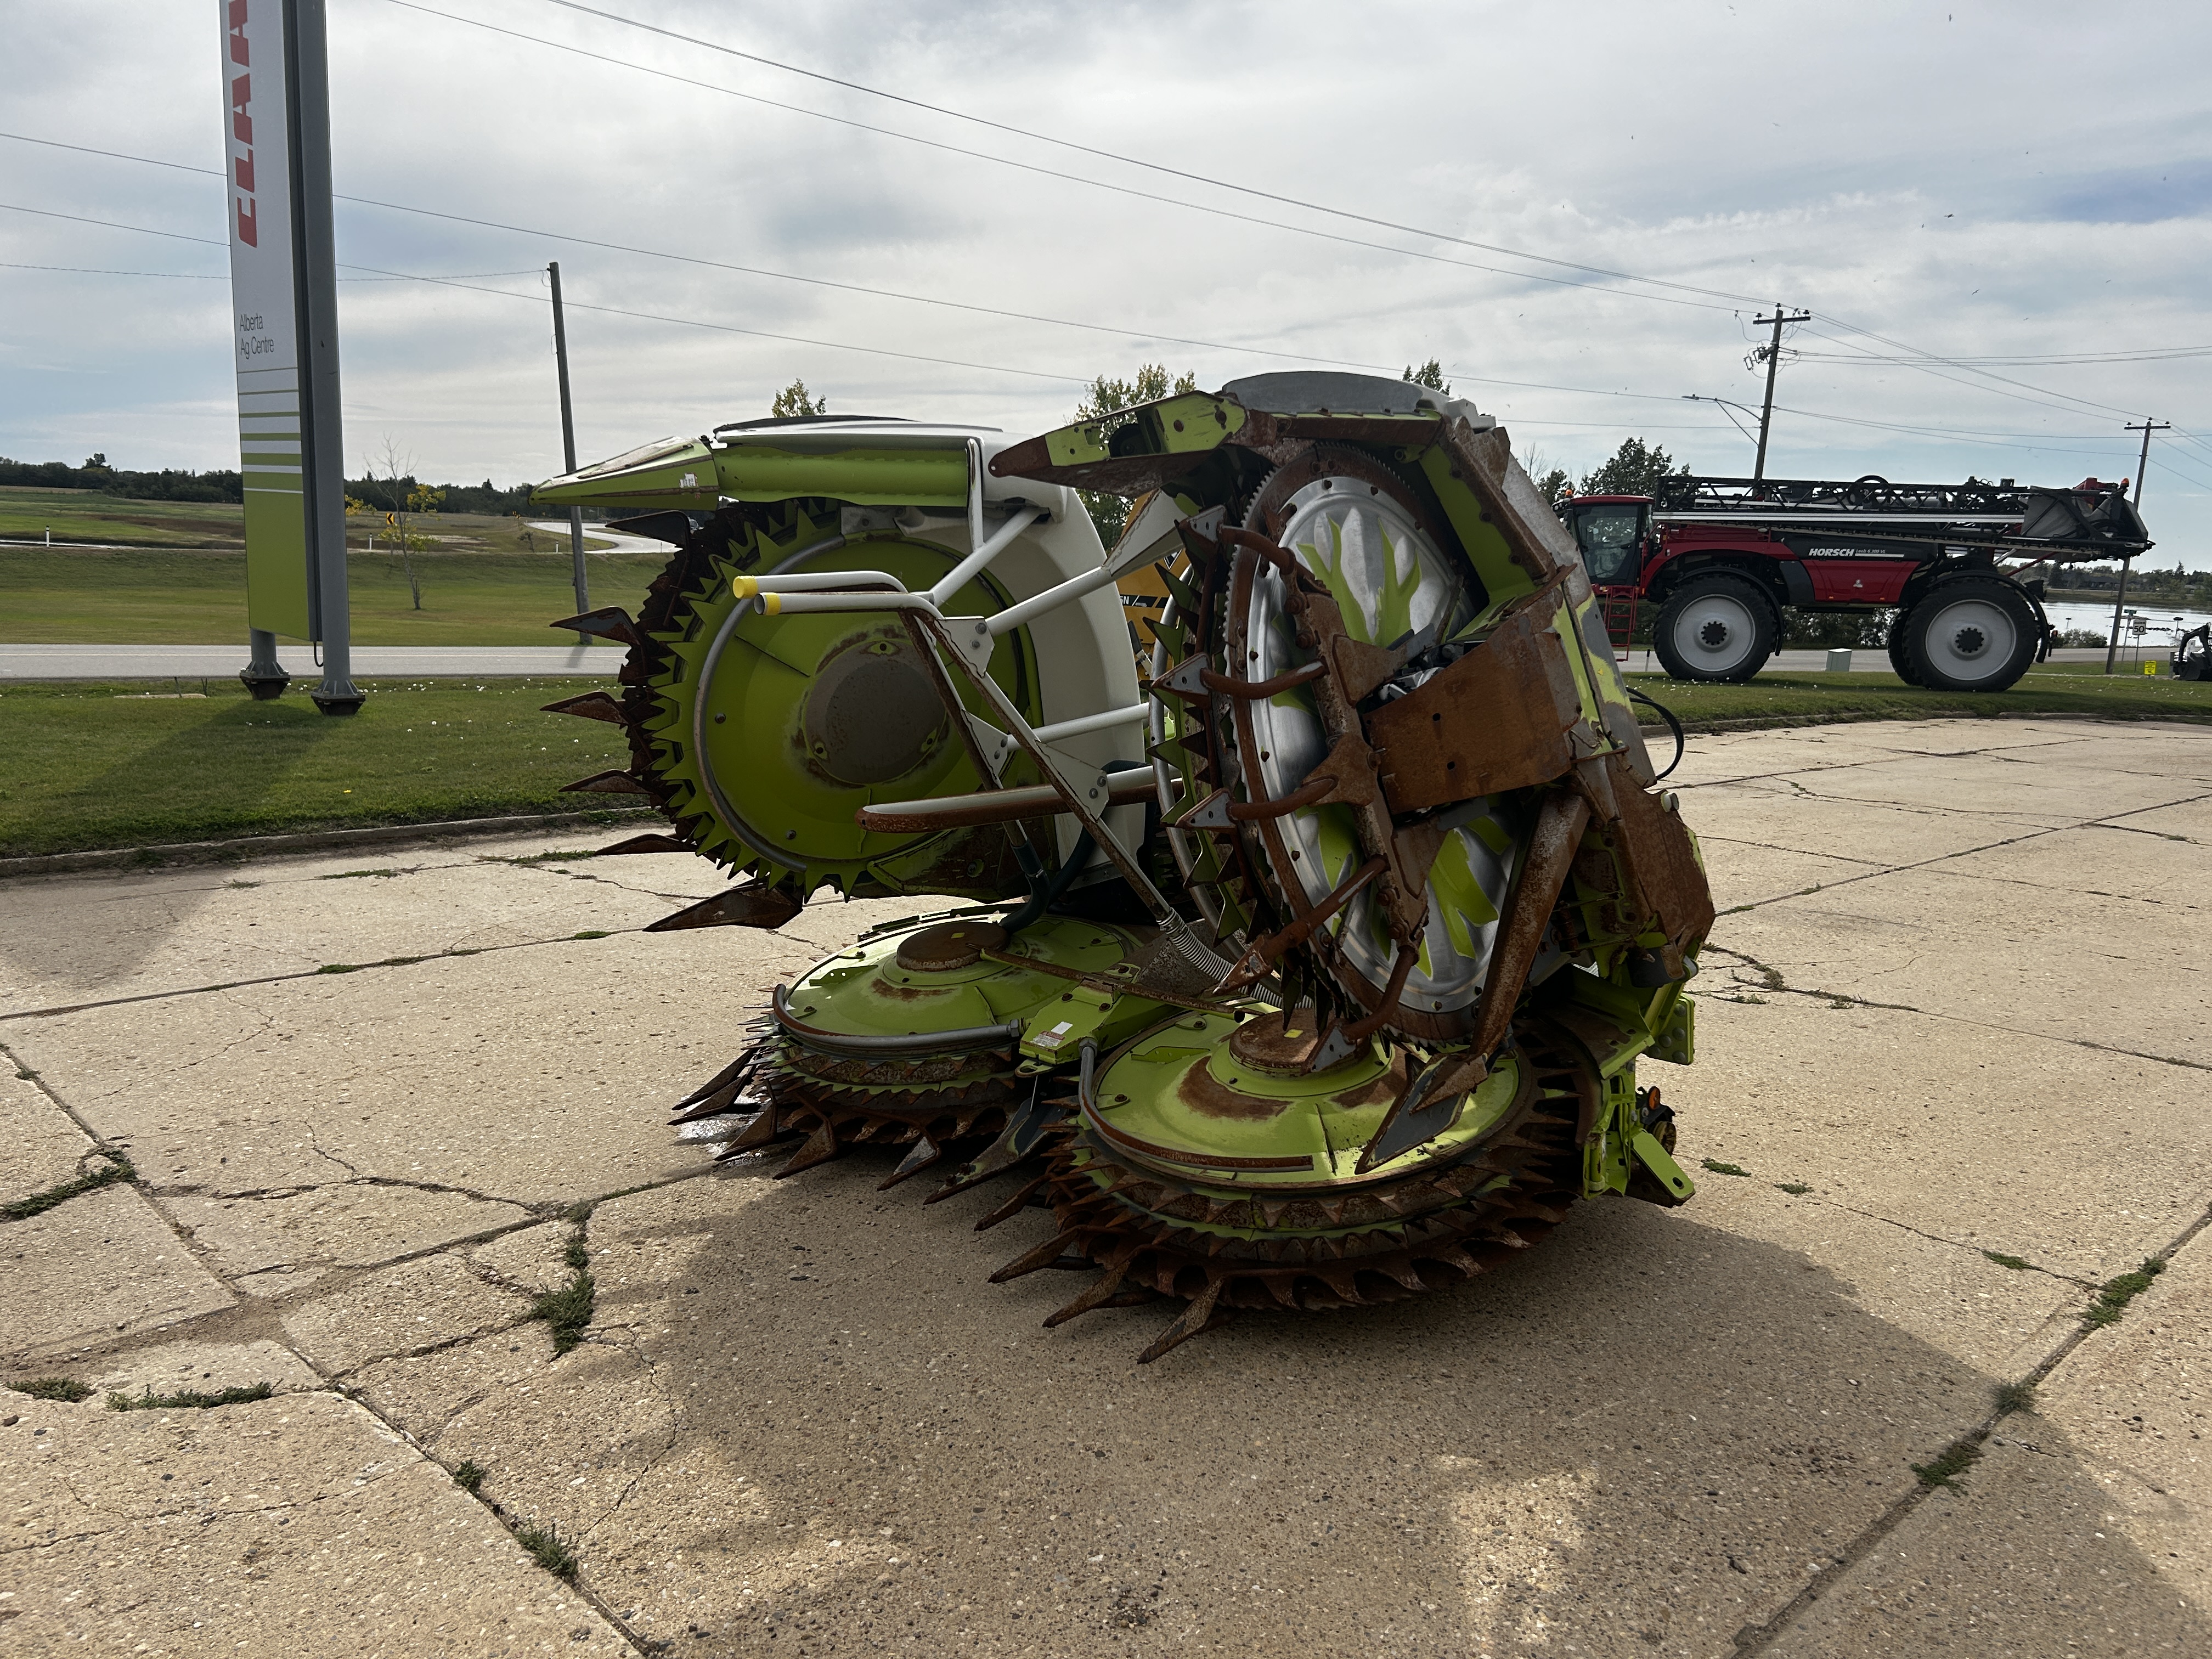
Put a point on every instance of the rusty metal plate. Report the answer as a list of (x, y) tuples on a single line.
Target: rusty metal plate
[(1497, 718)]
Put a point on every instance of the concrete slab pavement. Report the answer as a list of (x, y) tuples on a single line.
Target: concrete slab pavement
[(802, 1419)]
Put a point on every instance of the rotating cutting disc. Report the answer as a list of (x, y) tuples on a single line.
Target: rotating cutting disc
[(764, 734)]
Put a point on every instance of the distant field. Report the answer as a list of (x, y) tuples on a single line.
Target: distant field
[(87, 515), (93, 766), (152, 597)]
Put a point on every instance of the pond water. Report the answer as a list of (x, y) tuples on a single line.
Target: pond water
[(2160, 622)]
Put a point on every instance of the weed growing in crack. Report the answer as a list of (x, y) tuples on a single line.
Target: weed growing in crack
[(356, 875), (1718, 1167), (549, 1549), (469, 1476), (2015, 1397), (190, 1399), (91, 1181), (2113, 1300), (1794, 1189), (25, 1074), (2017, 1263), (241, 884), (1947, 1465), (568, 1311), (591, 932), (67, 1388), (555, 856), (339, 967)]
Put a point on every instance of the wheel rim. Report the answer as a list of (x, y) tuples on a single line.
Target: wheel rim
[(1716, 632), (1970, 639), (1390, 579)]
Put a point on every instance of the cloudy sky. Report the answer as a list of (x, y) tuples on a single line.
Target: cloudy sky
[(2000, 216)]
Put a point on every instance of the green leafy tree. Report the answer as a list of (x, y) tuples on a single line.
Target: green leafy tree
[(1106, 398), (1430, 374), (794, 400), (1551, 483), (1635, 468)]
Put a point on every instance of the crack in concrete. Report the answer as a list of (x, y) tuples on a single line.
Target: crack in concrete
[(2082, 1284), (1753, 1639), (306, 973), (1772, 979)]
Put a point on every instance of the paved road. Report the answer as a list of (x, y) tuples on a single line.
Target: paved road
[(1945, 1093), (194, 662), (148, 662)]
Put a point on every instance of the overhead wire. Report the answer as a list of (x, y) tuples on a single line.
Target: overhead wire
[(1133, 161), (1069, 177), (752, 271), (578, 305), (466, 280)]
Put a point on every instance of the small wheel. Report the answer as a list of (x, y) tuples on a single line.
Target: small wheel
[(1976, 633), (1899, 659), (1717, 627)]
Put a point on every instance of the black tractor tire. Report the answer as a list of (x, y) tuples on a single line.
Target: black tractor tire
[(1974, 634), (1719, 627), (1897, 659)]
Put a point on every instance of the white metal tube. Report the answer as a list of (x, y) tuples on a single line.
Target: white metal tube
[(967, 569), (814, 582), (1133, 715), (974, 492), (1015, 614), (777, 605)]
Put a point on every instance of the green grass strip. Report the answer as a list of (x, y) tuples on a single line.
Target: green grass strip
[(568, 1311), (2113, 1297), (1789, 698), (54, 1388), (549, 1549), (91, 1181), (189, 1400), (85, 767), (1717, 1167), (1947, 1465)]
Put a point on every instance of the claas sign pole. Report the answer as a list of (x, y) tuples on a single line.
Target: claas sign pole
[(276, 131)]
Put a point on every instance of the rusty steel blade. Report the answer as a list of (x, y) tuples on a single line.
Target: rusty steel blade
[(647, 843), (756, 904), (592, 706), (612, 623), (1196, 1320), (616, 782)]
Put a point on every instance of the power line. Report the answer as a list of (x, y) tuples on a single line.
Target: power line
[(611, 310), (1135, 161), (2051, 359), (87, 271), (757, 270)]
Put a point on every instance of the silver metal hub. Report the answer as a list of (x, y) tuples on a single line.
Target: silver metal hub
[(1389, 580), (1970, 639), (1714, 632)]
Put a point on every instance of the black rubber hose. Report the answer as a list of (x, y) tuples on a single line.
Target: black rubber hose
[(1044, 895), (1673, 724)]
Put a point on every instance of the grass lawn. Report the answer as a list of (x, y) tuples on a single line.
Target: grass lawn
[(1785, 699), (165, 597), (87, 766), (90, 516)]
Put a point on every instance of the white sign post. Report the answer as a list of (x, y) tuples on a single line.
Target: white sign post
[(283, 297)]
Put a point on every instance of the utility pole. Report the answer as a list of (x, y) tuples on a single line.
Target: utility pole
[(568, 442), (2146, 426), (1772, 353)]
